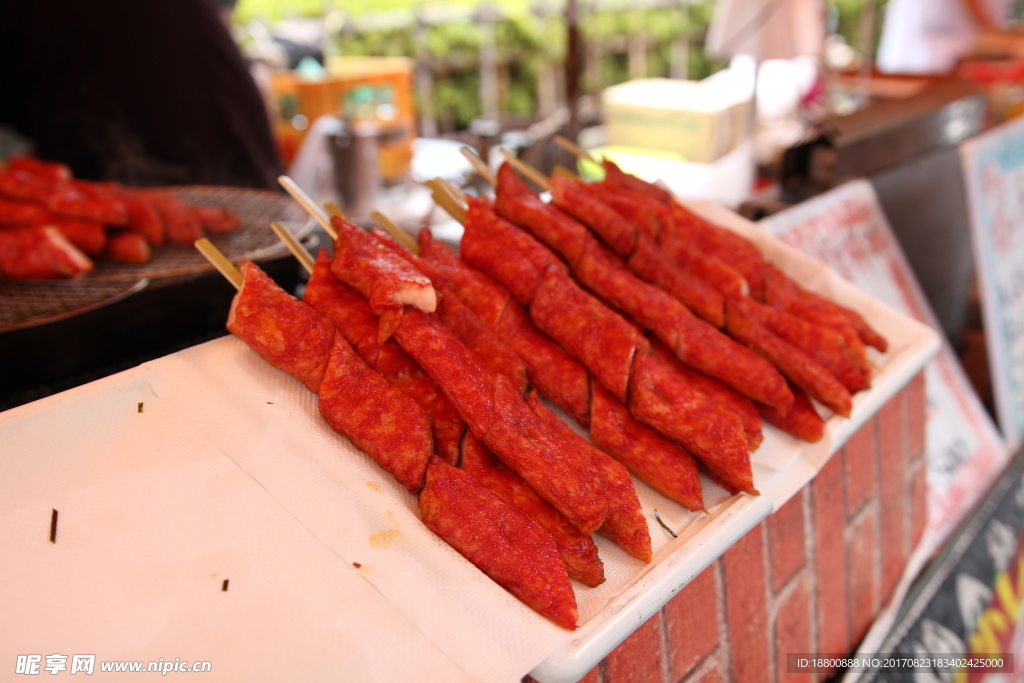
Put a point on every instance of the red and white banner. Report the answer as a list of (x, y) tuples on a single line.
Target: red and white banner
[(993, 168), (847, 229)]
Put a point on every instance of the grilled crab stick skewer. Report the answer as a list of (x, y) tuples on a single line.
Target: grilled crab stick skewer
[(796, 338), (578, 551), (395, 278), (557, 469), (729, 246), (351, 316), (829, 363), (460, 319), (696, 342), (415, 289), (737, 250), (612, 349), (658, 229), (560, 466), (488, 402), (804, 423), (651, 207), (663, 465), (744, 320), (804, 353), (711, 240), (391, 428), (39, 252), (619, 432), (350, 313), (297, 339), (697, 282)]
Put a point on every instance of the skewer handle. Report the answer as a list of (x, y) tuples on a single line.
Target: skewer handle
[(404, 238), (481, 167), (298, 251), (446, 201), (455, 191), (307, 203), (220, 262), (574, 149), (333, 209), (564, 172), (529, 171)]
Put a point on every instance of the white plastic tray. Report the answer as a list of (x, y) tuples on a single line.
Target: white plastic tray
[(782, 466), (229, 473)]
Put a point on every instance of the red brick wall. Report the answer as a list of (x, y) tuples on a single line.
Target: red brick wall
[(810, 578)]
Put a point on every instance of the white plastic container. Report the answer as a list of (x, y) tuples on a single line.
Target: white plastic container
[(700, 120)]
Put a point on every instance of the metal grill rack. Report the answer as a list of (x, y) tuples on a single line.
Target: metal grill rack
[(24, 303)]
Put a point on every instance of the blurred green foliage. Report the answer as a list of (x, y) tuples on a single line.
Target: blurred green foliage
[(274, 10), (845, 17), (526, 42)]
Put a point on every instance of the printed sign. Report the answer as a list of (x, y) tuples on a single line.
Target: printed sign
[(993, 166), (967, 606), (847, 229)]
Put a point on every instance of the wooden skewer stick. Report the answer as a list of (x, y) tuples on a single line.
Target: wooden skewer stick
[(446, 187), (404, 238), (564, 172), (298, 251), (220, 262), (434, 187), (446, 201), (455, 191), (307, 203), (481, 167), (574, 149), (333, 209), (454, 210), (529, 171)]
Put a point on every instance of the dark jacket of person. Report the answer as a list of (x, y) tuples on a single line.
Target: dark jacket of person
[(146, 92)]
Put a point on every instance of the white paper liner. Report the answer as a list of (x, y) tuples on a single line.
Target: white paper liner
[(152, 518)]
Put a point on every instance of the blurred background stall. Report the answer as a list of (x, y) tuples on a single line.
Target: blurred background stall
[(844, 124)]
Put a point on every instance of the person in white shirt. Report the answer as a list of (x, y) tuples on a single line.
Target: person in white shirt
[(929, 36)]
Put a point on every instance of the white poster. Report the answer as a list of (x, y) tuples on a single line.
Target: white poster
[(847, 229), (993, 166)]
